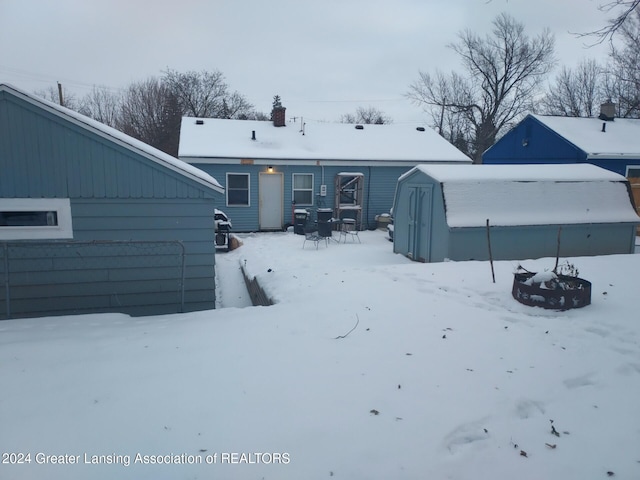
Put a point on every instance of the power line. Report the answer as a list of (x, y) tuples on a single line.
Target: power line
[(49, 79)]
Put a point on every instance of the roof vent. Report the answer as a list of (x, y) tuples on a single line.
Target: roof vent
[(253, 134), (420, 129), (199, 122), (359, 127)]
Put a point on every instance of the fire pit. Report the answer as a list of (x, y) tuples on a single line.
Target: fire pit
[(550, 290)]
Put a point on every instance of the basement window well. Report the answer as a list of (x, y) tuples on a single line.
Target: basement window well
[(35, 218)]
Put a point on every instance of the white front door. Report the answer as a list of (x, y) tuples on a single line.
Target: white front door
[(271, 193)]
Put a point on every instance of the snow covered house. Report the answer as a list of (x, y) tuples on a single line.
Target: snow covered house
[(441, 212), (270, 169), (92, 220), (606, 141)]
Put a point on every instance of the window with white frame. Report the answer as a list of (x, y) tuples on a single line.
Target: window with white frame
[(35, 218), (633, 171), (238, 189), (303, 188)]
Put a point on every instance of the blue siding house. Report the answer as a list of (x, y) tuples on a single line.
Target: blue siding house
[(441, 212), (92, 220), (270, 169), (608, 142)]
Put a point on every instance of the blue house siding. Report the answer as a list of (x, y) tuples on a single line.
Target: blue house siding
[(122, 200), (378, 192), (54, 278), (533, 142), (46, 156), (188, 221)]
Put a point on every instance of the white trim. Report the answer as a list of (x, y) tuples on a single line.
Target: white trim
[(612, 156), (317, 163), (62, 207), (246, 174), (635, 167)]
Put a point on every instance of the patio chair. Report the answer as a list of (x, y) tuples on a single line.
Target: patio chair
[(349, 229), (311, 234)]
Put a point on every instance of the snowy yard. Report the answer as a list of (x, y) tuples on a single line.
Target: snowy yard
[(368, 367)]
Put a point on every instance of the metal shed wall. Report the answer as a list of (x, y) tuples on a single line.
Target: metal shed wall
[(425, 238), (430, 239), (115, 194), (537, 241)]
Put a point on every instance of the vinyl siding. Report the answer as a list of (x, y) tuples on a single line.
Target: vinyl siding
[(379, 190), (116, 194)]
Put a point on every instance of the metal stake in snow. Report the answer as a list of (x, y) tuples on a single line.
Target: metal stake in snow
[(493, 275), (555, 269)]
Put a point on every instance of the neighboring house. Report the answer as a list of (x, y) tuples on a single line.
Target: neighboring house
[(92, 220), (441, 212), (611, 143), (271, 169)]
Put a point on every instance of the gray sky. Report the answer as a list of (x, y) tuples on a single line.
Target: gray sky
[(324, 58)]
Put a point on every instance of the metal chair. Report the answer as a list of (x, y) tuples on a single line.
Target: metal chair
[(349, 228), (311, 234)]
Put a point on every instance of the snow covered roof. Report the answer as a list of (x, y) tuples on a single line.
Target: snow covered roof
[(116, 136), (621, 137), (224, 141), (510, 195)]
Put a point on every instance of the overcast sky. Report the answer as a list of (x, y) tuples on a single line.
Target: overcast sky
[(324, 58)]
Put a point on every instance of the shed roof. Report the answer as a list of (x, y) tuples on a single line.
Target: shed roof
[(232, 139), (621, 137), (510, 195), (116, 136)]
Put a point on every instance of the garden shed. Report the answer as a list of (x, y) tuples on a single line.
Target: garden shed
[(92, 220), (441, 212)]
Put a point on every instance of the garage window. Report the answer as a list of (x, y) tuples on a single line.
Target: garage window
[(35, 218)]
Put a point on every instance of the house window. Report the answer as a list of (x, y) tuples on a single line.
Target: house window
[(303, 188), (35, 218), (633, 171), (238, 189)]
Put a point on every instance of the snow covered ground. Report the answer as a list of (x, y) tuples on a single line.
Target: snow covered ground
[(368, 367)]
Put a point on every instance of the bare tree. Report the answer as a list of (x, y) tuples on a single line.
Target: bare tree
[(623, 82), (102, 105), (575, 92), (504, 71), (206, 94), (623, 10), (369, 115), (151, 113), (52, 94)]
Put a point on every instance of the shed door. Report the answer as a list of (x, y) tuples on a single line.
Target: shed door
[(420, 223), (271, 193), (633, 175)]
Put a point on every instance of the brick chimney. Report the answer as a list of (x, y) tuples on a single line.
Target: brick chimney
[(278, 115), (607, 111)]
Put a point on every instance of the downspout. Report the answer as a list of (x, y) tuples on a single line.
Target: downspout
[(6, 270), (368, 195)]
